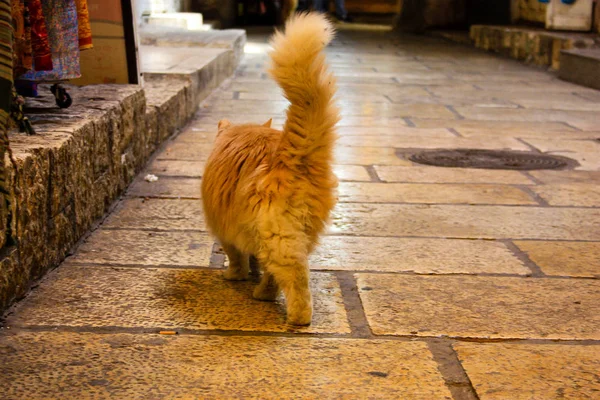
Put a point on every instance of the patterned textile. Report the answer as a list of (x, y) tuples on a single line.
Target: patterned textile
[(63, 33), (85, 30), (22, 60), (42, 57), (6, 78), (6, 61)]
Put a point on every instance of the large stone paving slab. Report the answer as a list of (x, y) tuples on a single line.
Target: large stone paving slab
[(575, 146), (507, 126), (351, 173), (567, 176), (107, 366), (158, 249), (432, 193), (564, 258), (525, 133), (481, 307), (166, 187), (427, 174), (188, 169), (367, 156), (460, 221), (424, 256), (162, 214), (155, 298), (183, 151), (526, 115), (426, 143), (374, 132), (570, 194), (531, 371)]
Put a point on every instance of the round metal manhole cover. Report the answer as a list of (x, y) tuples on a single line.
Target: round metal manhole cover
[(491, 159)]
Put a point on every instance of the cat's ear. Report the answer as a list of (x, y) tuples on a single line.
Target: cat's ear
[(224, 124), (268, 123)]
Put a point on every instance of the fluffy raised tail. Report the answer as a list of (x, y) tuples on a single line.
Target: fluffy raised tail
[(298, 66)]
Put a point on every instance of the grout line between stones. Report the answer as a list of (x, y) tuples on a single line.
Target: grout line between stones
[(454, 132), (455, 376), (571, 126), (489, 239), (453, 111), (536, 271), (373, 174), (409, 122), (531, 177), (217, 260), (541, 201), (531, 147), (354, 308), (293, 333)]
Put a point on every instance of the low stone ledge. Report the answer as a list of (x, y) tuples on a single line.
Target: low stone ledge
[(82, 158), (200, 71), (68, 174), (534, 46), (162, 36)]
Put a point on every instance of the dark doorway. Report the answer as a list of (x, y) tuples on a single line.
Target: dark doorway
[(496, 12)]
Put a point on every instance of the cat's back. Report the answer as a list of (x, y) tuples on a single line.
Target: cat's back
[(240, 150)]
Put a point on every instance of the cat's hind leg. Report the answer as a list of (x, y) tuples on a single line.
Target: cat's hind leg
[(289, 269), (267, 289), (238, 264)]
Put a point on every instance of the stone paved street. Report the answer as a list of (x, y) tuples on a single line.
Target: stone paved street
[(432, 283)]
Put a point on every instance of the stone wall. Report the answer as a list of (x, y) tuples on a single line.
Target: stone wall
[(68, 174), (83, 158), (531, 11), (145, 7), (531, 45)]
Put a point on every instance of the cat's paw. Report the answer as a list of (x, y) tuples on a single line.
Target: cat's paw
[(265, 294), (235, 275), (300, 317)]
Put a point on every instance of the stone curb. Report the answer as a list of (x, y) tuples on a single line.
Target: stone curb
[(84, 157), (534, 46)]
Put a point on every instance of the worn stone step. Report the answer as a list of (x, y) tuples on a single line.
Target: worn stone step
[(533, 45), (190, 21), (172, 70), (85, 156), (581, 66), (165, 36)]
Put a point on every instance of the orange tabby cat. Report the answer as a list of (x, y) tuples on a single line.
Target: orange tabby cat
[(268, 193)]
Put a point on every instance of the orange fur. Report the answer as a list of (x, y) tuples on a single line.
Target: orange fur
[(268, 193)]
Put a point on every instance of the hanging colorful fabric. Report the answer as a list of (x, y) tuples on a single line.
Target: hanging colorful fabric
[(22, 61), (42, 57), (63, 34), (8, 94), (85, 29), (6, 61)]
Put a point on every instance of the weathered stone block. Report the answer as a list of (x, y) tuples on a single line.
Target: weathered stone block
[(83, 157), (532, 45)]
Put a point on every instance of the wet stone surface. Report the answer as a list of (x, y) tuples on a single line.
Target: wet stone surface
[(156, 298), (521, 371), (147, 248), (143, 366), (422, 283), (481, 307)]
